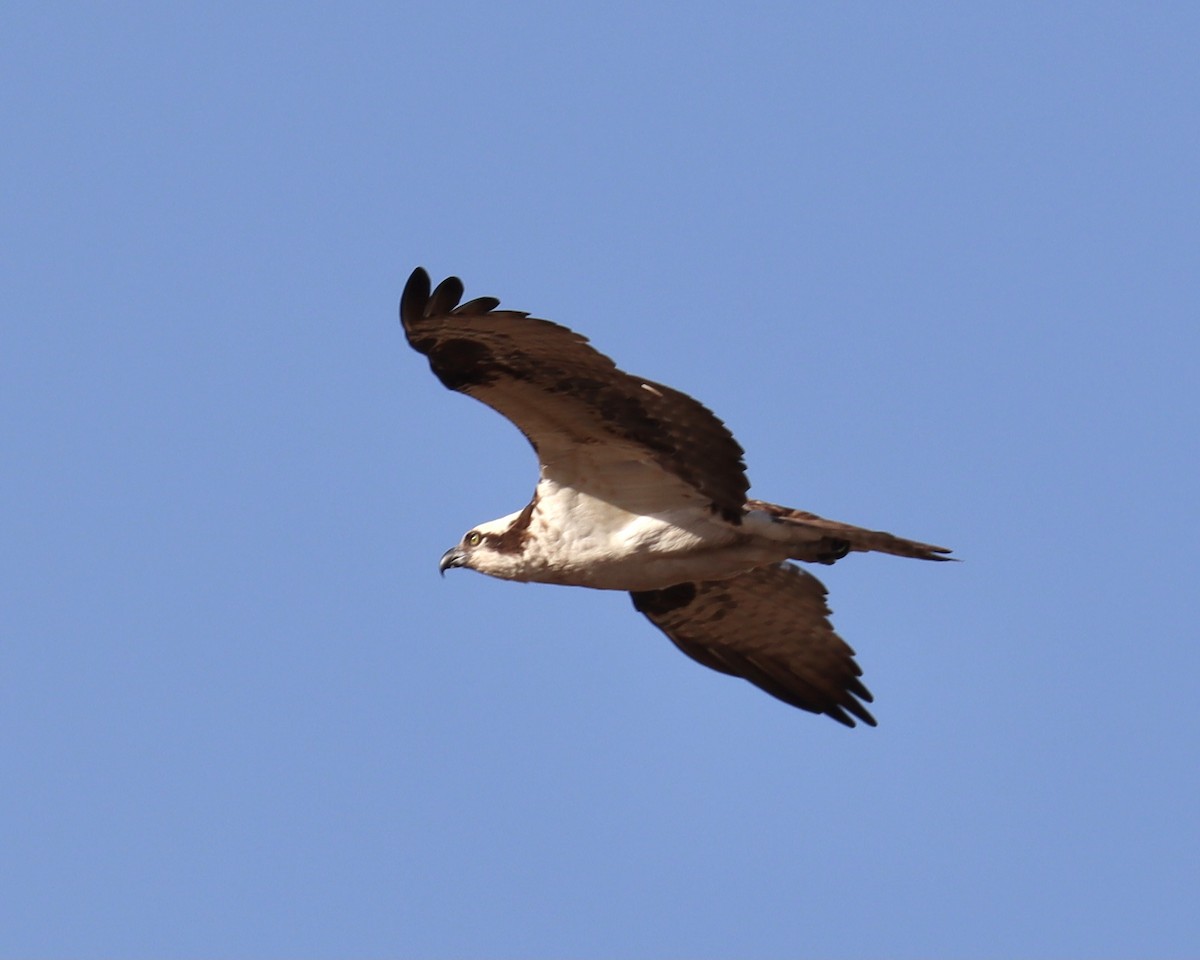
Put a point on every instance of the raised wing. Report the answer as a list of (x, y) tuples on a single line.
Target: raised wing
[(571, 402), (769, 626)]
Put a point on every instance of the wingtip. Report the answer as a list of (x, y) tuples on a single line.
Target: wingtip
[(445, 297), (842, 714), (415, 297)]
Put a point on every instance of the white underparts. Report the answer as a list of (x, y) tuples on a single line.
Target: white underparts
[(579, 539)]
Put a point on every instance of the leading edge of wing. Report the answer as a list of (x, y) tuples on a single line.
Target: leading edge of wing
[(558, 389)]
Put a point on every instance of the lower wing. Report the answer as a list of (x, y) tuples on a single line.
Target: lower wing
[(769, 626)]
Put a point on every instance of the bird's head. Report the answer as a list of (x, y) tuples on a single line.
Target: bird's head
[(490, 548), (460, 554)]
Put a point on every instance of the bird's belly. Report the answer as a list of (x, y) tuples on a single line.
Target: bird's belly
[(650, 557)]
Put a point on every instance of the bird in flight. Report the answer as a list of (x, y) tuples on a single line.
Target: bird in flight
[(642, 489)]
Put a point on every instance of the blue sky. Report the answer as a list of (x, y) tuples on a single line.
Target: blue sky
[(935, 265)]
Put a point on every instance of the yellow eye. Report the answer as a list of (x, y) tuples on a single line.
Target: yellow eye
[(473, 539)]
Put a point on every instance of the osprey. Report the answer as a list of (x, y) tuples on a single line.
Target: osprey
[(643, 489)]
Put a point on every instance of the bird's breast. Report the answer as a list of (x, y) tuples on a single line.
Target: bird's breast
[(579, 540)]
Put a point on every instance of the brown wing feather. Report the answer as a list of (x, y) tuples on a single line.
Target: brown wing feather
[(769, 626), (563, 394)]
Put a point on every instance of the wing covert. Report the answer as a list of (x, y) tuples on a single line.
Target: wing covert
[(771, 627)]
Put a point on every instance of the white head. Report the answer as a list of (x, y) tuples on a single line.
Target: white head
[(496, 548)]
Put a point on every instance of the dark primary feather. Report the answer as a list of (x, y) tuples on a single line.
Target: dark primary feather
[(769, 626), (562, 393)]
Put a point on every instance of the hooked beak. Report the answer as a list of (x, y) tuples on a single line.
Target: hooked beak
[(451, 558)]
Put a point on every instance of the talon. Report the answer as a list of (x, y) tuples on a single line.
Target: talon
[(837, 550)]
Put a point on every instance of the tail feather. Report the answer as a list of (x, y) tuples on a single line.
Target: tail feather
[(824, 541)]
